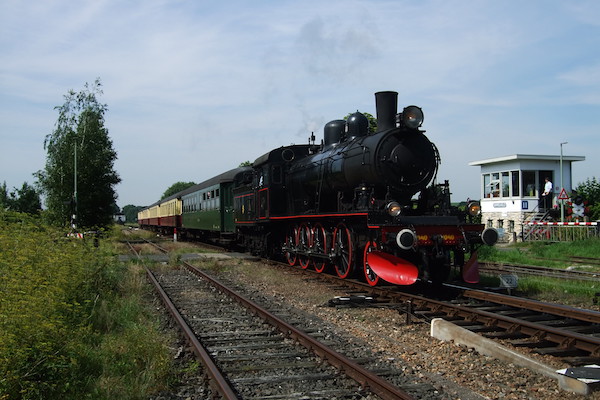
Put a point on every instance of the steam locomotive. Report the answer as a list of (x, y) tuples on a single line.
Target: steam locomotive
[(363, 202)]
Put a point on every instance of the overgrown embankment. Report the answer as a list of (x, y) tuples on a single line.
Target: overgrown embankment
[(72, 320)]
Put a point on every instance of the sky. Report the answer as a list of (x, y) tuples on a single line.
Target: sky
[(194, 88)]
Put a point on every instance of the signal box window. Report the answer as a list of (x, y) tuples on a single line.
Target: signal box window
[(529, 188)]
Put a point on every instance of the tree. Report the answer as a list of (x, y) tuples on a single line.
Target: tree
[(131, 212), (79, 177), (26, 199), (590, 191), (176, 188), (245, 164), (4, 199), (370, 117)]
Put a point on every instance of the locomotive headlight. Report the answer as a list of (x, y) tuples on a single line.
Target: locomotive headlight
[(406, 239), (474, 208), (489, 236), (412, 117), (393, 208)]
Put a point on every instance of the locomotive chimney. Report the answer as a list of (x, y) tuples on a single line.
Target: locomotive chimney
[(387, 108)]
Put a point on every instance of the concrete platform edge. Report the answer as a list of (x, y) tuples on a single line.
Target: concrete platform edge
[(447, 331)]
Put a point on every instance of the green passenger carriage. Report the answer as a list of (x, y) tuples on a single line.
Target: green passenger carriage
[(207, 208)]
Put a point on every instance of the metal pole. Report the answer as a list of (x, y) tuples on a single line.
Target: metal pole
[(562, 201), (75, 184)]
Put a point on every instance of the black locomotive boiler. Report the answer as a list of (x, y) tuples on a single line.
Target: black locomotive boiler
[(362, 200)]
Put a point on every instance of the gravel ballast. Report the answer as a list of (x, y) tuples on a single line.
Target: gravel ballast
[(458, 372)]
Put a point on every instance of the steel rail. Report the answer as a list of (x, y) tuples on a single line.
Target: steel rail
[(534, 305), (367, 379), (563, 338), (539, 271), (216, 379)]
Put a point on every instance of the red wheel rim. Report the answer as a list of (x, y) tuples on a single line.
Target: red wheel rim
[(303, 242), (370, 275), (290, 242), (319, 245), (342, 242)]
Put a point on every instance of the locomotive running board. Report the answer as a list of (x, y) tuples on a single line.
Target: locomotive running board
[(392, 269)]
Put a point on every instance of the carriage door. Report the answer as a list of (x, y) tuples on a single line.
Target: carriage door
[(227, 213)]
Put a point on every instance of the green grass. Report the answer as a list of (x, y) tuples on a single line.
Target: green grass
[(548, 254), (73, 321), (554, 255)]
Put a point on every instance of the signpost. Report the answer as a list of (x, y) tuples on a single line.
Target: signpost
[(563, 195), (562, 203), (509, 281)]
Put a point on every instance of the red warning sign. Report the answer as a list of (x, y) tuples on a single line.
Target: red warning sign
[(563, 195)]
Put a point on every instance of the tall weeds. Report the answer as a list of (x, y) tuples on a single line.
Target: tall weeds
[(72, 324)]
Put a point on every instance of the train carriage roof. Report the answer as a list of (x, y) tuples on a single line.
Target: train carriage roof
[(225, 177), (222, 178)]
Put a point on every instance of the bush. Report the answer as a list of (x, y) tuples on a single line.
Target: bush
[(61, 318), (590, 191)]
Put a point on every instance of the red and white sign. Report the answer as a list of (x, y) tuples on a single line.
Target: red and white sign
[(563, 195), (563, 223)]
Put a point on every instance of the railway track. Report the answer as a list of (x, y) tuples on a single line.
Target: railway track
[(569, 333), (534, 270), (252, 353), (580, 260)]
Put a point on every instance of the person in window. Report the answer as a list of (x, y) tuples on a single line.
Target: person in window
[(547, 195)]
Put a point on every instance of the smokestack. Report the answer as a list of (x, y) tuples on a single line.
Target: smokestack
[(386, 104)]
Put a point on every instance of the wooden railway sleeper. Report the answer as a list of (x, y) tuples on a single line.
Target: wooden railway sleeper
[(514, 328), (540, 336), (474, 318), (491, 323), (596, 352), (567, 343)]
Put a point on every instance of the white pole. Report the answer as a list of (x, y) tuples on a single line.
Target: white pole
[(562, 187)]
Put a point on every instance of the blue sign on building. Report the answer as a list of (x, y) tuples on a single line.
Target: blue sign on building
[(524, 204)]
